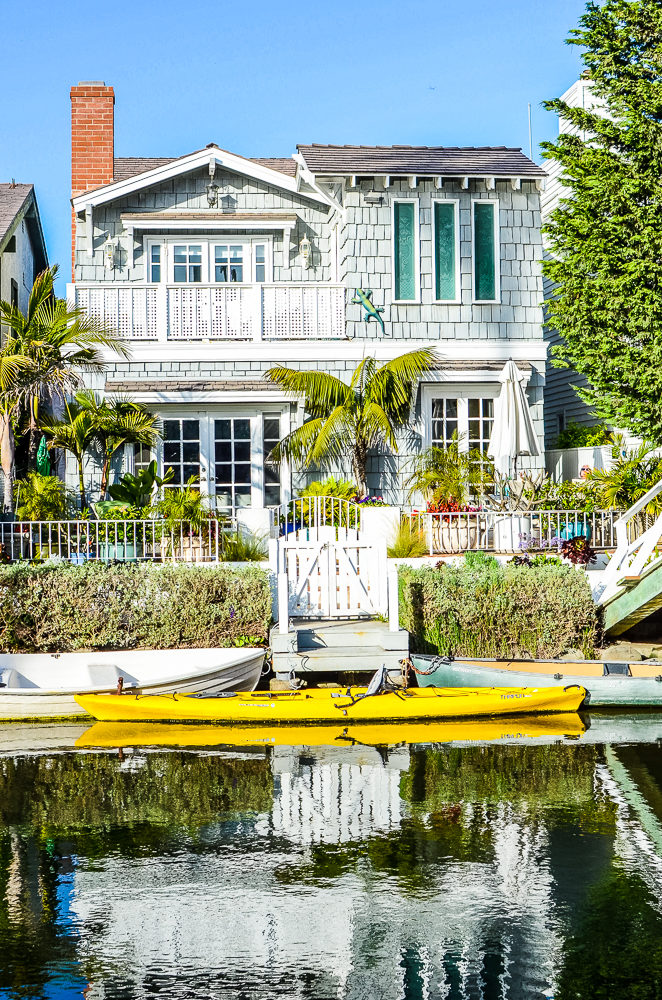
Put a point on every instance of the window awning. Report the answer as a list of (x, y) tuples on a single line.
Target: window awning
[(249, 222)]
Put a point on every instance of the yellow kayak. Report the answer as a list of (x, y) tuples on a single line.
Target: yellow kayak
[(105, 735), (324, 706)]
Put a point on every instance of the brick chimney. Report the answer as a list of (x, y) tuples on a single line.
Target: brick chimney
[(92, 140)]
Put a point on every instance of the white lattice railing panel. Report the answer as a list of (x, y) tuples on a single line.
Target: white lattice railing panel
[(217, 312), (128, 310), (295, 312)]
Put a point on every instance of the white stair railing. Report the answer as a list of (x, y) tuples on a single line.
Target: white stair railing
[(635, 546)]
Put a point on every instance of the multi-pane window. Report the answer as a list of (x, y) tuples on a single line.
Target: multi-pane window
[(155, 262), (181, 450), (444, 421), (405, 251), (229, 262), (234, 261), (232, 469), (485, 251), (187, 262), (260, 262), (270, 438), (481, 418), (470, 417), (445, 251), (142, 456)]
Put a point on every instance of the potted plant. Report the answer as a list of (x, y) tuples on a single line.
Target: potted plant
[(189, 531), (513, 503), (449, 478)]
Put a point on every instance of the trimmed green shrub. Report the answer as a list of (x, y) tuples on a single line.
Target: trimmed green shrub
[(500, 611), (63, 608)]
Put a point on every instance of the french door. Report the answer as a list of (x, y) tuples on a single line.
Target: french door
[(226, 451)]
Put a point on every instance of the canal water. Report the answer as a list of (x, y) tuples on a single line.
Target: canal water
[(488, 864)]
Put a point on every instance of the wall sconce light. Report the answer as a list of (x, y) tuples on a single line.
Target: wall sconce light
[(212, 194), (305, 250), (112, 254)]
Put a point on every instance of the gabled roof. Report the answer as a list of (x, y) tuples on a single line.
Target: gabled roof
[(486, 161), (268, 171), (18, 201), (131, 166)]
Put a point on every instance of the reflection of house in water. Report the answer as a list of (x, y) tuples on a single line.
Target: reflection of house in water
[(337, 892), (337, 796)]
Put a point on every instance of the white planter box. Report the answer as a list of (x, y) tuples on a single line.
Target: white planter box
[(507, 531), (380, 522)]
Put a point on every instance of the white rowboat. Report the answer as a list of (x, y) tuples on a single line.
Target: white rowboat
[(43, 685)]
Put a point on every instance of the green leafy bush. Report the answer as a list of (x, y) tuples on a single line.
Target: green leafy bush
[(244, 548), (42, 498), (130, 606), (498, 611), (581, 436)]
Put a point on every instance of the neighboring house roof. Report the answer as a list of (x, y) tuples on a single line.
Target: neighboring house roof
[(131, 166), (492, 161), (17, 202)]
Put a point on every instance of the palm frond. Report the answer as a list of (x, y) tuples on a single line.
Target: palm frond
[(297, 445), (331, 441), (321, 391), (376, 426), (392, 386)]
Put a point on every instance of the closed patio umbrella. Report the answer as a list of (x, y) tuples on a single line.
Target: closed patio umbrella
[(512, 432)]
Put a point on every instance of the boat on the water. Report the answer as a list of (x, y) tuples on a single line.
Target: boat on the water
[(323, 706), (628, 685), (105, 735), (43, 685)]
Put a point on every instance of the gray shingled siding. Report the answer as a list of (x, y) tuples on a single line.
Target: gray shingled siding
[(366, 261), (386, 473), (188, 193)]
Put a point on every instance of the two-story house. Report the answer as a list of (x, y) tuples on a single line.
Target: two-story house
[(215, 266)]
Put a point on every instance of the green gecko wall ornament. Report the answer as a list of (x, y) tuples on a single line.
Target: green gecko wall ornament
[(362, 298)]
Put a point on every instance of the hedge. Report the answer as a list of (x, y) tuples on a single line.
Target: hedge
[(492, 610), (63, 608)]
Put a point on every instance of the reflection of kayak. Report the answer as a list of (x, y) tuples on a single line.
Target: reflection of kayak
[(155, 734), (331, 705)]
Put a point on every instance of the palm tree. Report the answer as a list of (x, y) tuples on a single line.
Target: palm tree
[(118, 422), (11, 368), (347, 420), (74, 433), (61, 343)]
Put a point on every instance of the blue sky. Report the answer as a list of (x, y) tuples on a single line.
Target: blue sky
[(259, 77)]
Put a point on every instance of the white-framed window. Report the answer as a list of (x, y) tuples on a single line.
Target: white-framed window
[(406, 250), (217, 261), (485, 241), (465, 410), (446, 249)]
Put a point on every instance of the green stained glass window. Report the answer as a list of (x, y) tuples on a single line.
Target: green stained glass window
[(484, 251), (444, 246), (404, 225)]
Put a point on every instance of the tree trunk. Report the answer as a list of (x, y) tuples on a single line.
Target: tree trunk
[(33, 446), (105, 475), (81, 483), (7, 460), (359, 463)]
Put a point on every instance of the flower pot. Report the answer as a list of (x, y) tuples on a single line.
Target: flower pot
[(123, 551), (456, 537), (508, 529)]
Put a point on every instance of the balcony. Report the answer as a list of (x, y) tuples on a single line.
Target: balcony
[(283, 311)]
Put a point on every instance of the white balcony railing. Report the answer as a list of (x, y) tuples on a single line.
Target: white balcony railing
[(304, 311)]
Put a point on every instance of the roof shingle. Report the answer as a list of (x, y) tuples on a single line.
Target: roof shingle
[(130, 166), (497, 161), (12, 199)]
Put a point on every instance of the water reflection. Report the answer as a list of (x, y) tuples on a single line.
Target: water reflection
[(352, 872)]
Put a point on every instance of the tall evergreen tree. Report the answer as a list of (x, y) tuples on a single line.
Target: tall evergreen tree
[(605, 237)]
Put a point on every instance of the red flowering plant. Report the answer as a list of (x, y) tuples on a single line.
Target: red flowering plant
[(449, 478)]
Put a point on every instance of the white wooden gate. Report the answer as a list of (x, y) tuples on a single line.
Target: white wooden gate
[(330, 572)]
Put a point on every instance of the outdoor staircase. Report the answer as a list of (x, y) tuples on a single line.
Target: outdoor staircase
[(357, 645), (631, 586)]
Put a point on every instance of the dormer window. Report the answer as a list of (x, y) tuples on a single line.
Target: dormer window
[(240, 260)]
